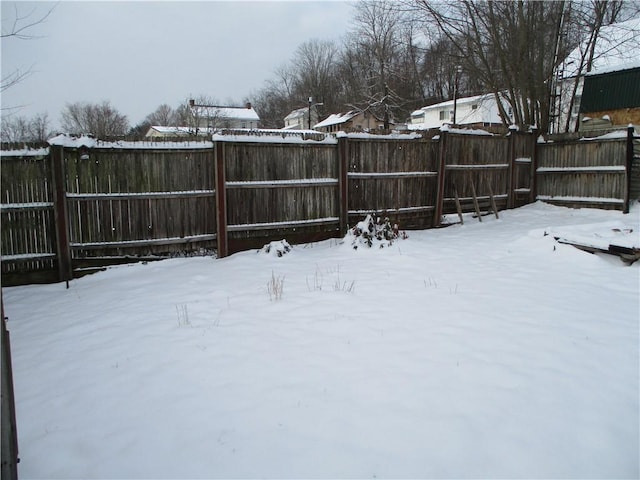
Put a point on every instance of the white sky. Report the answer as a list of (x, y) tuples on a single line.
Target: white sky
[(140, 54)]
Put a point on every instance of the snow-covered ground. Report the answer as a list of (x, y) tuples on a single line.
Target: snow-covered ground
[(479, 350)]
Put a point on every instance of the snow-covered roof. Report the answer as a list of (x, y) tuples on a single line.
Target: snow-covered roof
[(299, 113), (170, 130), (616, 49), (336, 119), (235, 113), (449, 103)]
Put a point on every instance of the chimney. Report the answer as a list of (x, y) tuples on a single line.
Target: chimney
[(192, 102), (248, 105)]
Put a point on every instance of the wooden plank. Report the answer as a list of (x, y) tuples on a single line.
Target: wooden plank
[(8, 425), (141, 195), (488, 166), (493, 202), (23, 207), (458, 206), (61, 217), (143, 243), (392, 175), (281, 225), (343, 184), (442, 162), (221, 200), (304, 183), (475, 201), (428, 208)]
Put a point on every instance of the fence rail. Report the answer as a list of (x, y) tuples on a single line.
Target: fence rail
[(74, 205)]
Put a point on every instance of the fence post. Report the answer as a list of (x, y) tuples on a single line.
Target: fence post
[(512, 167), (343, 183), (9, 438), (61, 214), (221, 200), (533, 172), (442, 163), (629, 166)]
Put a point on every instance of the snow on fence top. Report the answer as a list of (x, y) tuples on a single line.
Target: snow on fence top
[(25, 152), (465, 131), (373, 136), (72, 141), (618, 133), (274, 136)]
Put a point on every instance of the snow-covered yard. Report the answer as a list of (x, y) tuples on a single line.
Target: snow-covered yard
[(479, 350)]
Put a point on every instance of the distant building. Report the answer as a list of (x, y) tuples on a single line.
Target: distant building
[(477, 111), (353, 120), (215, 117), (299, 119), (609, 99), (158, 131), (607, 92)]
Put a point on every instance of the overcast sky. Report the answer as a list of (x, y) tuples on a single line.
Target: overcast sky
[(140, 54)]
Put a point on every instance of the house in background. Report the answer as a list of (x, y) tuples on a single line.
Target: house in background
[(477, 111), (215, 117), (299, 119), (160, 131), (353, 120), (610, 99), (610, 84)]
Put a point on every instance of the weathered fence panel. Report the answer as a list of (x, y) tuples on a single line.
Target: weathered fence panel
[(139, 201), (395, 178), (583, 173), (27, 211), (476, 168), (277, 189)]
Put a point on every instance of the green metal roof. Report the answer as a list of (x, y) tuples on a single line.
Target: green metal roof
[(611, 91)]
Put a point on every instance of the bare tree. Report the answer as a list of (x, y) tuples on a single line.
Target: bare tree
[(22, 129), (19, 26), (315, 70), (376, 44), (515, 49), (163, 115), (101, 120)]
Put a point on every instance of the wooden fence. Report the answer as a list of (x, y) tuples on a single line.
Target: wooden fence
[(80, 205), (586, 172)]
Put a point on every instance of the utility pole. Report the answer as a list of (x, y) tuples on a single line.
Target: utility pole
[(455, 92), (386, 107)]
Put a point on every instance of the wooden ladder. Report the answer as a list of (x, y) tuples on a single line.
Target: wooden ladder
[(476, 205)]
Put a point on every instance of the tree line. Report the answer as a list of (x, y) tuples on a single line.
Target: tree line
[(398, 56)]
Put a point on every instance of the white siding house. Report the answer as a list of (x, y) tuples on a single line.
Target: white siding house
[(215, 117), (299, 119), (477, 111), (352, 120)]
